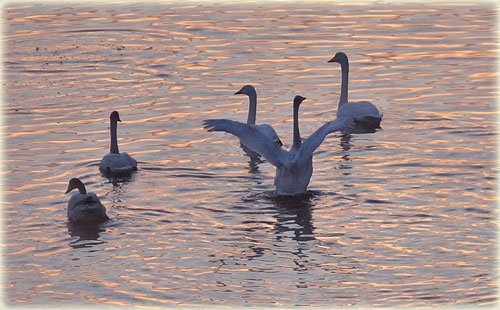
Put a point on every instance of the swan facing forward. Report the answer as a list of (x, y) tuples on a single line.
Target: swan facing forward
[(116, 162), (293, 168), (266, 129), (365, 114), (84, 207)]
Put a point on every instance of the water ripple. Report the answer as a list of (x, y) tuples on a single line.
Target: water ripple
[(403, 217)]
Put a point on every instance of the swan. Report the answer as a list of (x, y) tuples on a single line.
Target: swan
[(84, 207), (266, 129), (294, 168), (365, 114), (116, 162)]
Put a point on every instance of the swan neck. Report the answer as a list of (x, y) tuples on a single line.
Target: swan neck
[(344, 65), (252, 108), (81, 189), (114, 138), (296, 132)]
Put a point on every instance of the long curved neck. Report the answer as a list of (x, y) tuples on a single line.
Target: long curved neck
[(296, 132), (344, 65), (114, 140), (81, 189), (252, 108)]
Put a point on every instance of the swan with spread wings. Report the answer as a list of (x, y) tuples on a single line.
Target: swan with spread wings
[(294, 168)]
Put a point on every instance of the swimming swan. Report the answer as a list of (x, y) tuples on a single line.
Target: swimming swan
[(84, 207), (364, 113), (293, 168), (116, 162), (266, 129)]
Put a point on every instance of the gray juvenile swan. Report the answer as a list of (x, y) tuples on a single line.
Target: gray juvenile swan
[(84, 207), (294, 168), (365, 114), (266, 129), (116, 162)]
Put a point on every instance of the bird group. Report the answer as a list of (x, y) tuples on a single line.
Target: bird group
[(294, 167), (86, 207)]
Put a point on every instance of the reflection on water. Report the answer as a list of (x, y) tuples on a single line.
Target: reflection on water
[(87, 235), (294, 216), (404, 216), (253, 164)]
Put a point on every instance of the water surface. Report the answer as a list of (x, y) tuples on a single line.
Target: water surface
[(401, 217)]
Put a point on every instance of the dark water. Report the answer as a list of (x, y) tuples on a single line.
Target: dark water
[(402, 217)]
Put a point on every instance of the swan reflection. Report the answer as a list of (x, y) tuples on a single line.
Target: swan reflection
[(253, 164), (88, 235), (294, 217), (117, 180), (345, 141)]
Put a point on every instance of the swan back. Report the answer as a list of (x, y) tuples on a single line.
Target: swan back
[(359, 109), (366, 115), (121, 163)]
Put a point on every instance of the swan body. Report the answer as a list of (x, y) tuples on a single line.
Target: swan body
[(121, 163), (116, 162), (84, 207), (365, 114), (294, 168), (266, 129)]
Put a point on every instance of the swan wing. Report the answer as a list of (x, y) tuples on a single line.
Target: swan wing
[(250, 136), (270, 133), (312, 142)]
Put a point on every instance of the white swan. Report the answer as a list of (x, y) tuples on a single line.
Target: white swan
[(84, 207), (293, 168), (364, 113), (266, 129), (116, 162)]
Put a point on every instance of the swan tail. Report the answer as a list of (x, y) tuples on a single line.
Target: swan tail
[(368, 121)]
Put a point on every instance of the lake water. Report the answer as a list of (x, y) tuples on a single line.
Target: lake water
[(402, 217)]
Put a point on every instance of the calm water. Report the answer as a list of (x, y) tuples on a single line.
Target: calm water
[(402, 217)]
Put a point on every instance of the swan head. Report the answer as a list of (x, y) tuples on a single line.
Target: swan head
[(114, 116), (248, 90), (339, 57), (76, 183), (298, 100)]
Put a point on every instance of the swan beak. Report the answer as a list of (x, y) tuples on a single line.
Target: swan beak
[(68, 190), (332, 60), (238, 92)]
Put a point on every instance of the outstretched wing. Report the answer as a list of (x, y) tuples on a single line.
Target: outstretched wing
[(250, 136), (270, 133), (310, 144)]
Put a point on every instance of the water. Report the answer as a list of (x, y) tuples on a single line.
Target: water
[(402, 217)]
